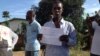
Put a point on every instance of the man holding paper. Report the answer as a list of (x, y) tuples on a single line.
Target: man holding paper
[(67, 39)]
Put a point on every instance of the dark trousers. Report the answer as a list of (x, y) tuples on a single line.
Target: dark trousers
[(94, 55), (32, 53)]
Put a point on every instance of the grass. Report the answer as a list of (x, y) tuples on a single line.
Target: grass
[(78, 52), (73, 52)]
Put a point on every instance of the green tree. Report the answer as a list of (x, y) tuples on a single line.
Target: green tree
[(44, 12), (73, 12), (6, 15), (23, 27)]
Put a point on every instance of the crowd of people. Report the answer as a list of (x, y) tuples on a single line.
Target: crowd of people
[(33, 44)]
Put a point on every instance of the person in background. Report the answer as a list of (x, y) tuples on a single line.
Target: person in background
[(8, 39), (87, 35), (68, 40), (32, 45), (94, 27)]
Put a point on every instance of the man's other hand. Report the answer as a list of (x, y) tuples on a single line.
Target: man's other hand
[(64, 38), (39, 37)]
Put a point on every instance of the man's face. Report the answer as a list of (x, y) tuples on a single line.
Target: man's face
[(57, 9), (29, 16)]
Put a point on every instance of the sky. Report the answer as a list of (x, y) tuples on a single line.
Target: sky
[(91, 6), (18, 8)]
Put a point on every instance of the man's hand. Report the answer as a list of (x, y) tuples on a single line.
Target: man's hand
[(43, 46), (39, 37), (64, 38)]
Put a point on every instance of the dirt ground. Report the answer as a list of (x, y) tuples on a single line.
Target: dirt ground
[(72, 52), (22, 53), (18, 53)]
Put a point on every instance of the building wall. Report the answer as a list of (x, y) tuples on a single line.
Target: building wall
[(16, 24)]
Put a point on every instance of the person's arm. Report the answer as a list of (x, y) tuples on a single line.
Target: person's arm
[(39, 35), (89, 25), (72, 35), (14, 38), (71, 38)]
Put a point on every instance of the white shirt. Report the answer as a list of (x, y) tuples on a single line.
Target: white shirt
[(68, 28), (95, 49), (8, 38), (33, 29)]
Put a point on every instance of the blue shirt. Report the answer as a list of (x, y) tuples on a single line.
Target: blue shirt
[(33, 29), (68, 28)]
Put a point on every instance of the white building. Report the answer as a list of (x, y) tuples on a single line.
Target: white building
[(15, 24)]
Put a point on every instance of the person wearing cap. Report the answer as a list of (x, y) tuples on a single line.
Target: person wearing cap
[(32, 46)]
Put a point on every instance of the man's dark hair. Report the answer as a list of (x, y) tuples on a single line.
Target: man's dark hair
[(30, 11), (57, 1)]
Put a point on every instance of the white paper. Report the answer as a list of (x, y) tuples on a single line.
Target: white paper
[(51, 35)]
